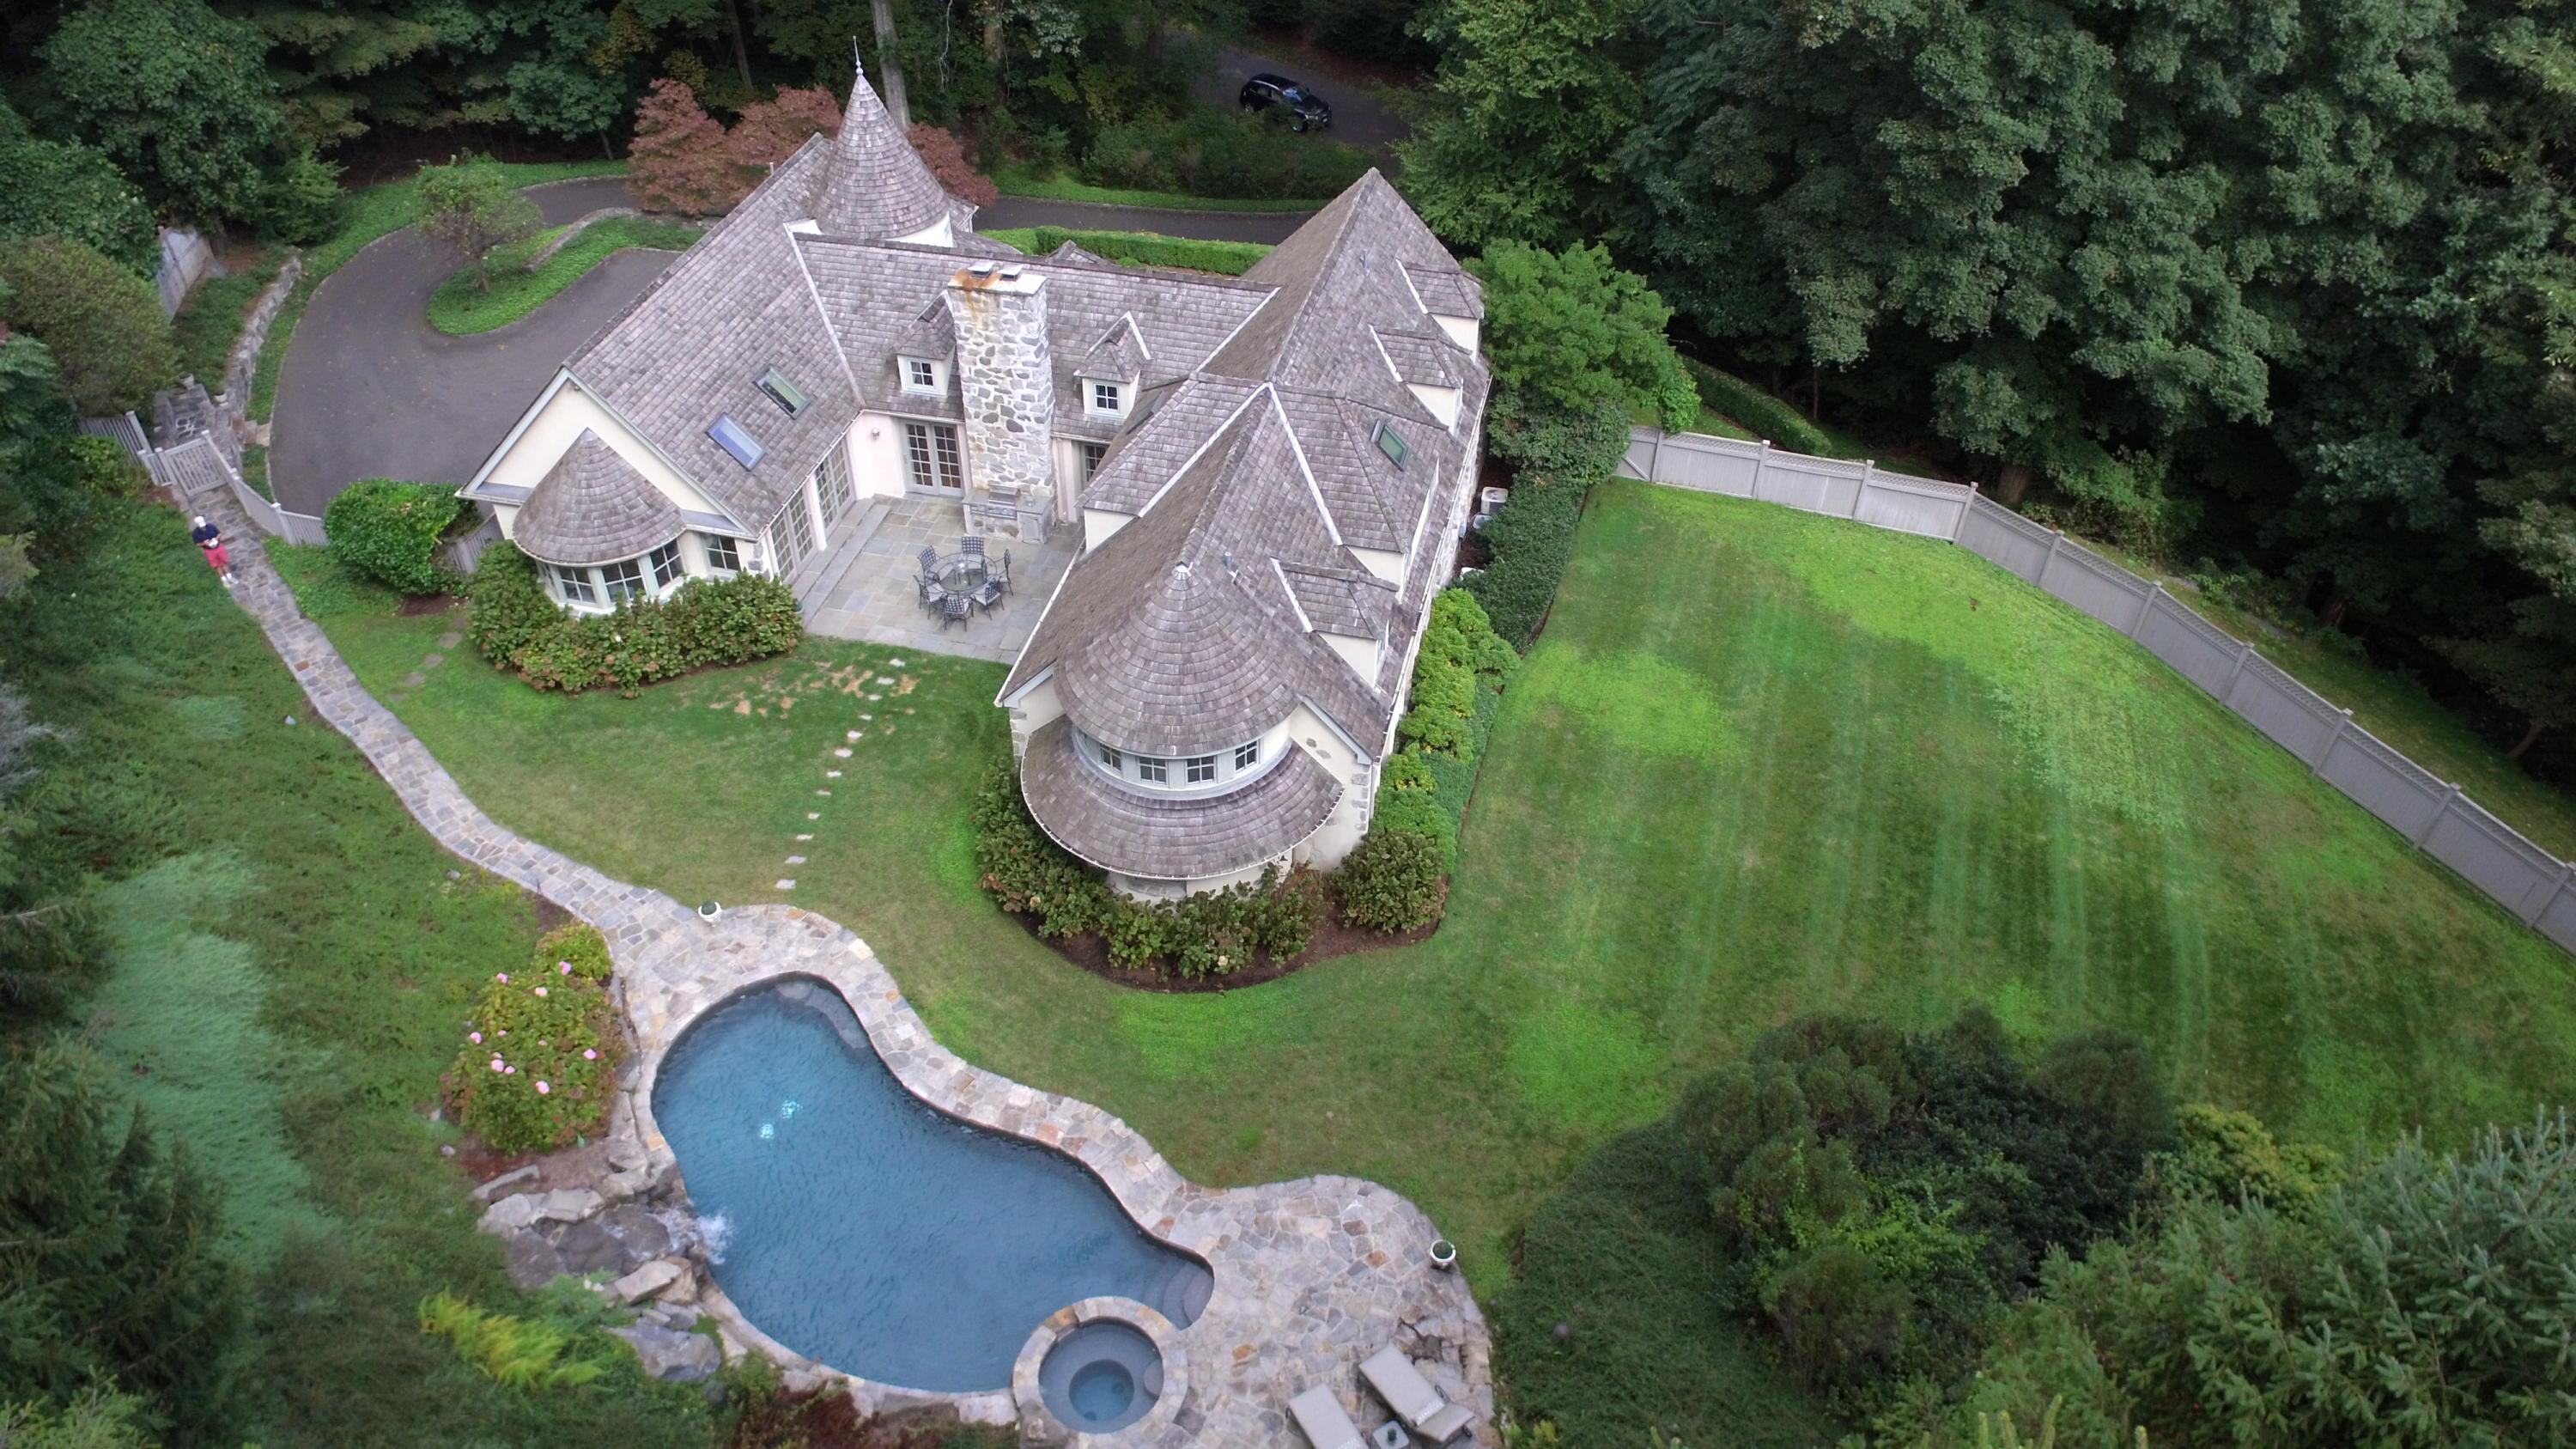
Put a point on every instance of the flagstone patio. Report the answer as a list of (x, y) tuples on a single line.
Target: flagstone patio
[(863, 589)]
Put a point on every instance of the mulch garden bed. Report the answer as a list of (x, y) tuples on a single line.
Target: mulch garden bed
[(1331, 939)]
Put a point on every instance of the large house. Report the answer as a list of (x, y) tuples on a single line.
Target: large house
[(1270, 475)]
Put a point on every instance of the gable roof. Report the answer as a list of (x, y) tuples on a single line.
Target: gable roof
[(593, 507)]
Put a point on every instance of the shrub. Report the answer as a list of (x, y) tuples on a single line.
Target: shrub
[(106, 470), (49, 188), (111, 345), (1212, 933), (1392, 880), (1152, 249), (946, 157), (470, 207), (541, 1049), (389, 531), (1218, 153), (1422, 793), (510, 1351), (1532, 539), (517, 626), (302, 203), (1574, 334)]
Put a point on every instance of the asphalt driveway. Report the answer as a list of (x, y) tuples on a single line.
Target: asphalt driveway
[(1358, 116), (370, 390)]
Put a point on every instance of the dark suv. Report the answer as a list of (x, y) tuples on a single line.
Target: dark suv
[(1264, 91)]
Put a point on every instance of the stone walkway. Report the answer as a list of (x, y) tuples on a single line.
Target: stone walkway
[(1311, 1276)]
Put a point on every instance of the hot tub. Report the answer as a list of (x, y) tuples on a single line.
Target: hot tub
[(1102, 1376)]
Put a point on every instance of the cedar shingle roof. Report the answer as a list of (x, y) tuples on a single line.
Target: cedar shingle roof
[(1122, 830), (593, 507), (877, 186)]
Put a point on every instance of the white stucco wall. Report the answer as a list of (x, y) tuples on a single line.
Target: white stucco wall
[(550, 435), (876, 456)]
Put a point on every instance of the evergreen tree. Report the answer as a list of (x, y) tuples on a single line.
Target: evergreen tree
[(110, 1265)]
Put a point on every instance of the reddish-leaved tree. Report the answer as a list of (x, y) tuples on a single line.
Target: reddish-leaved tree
[(946, 157), (770, 131), (678, 160)]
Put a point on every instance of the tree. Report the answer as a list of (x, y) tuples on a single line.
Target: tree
[(48, 188), (177, 96), (98, 1419), (2423, 1301), (1570, 332), (102, 322), (110, 1266), (770, 131), (678, 160), (470, 207), (1519, 136), (946, 157)]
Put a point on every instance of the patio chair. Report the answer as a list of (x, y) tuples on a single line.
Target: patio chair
[(932, 591), (1413, 1399), (1004, 577), (929, 562), (972, 545), (986, 594), (954, 609), (1320, 1415)]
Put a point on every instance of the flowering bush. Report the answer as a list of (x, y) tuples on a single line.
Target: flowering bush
[(541, 1048)]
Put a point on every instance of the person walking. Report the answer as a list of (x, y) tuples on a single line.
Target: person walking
[(211, 539)]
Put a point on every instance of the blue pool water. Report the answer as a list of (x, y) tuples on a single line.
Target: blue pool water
[(859, 1227)]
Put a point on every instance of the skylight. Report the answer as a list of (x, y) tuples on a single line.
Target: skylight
[(1394, 446), (781, 391), (730, 436)]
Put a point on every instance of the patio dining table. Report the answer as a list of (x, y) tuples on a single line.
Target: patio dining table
[(960, 573)]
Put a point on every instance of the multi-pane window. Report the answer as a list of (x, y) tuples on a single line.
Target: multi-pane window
[(1201, 769), (1092, 453), (832, 488), (920, 374), (625, 580), (722, 553), (930, 450), (1116, 762), (573, 585), (793, 534), (666, 564), (1152, 771), (1105, 397), (1247, 756)]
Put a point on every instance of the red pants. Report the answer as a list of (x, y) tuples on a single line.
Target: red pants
[(222, 561)]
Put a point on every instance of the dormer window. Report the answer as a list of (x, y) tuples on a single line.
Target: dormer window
[(729, 435), (790, 399), (1393, 445), (1108, 399), (921, 374)]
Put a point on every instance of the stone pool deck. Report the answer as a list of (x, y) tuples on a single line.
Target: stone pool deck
[(1311, 1276)]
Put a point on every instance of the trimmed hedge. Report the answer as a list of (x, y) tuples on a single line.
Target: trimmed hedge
[(388, 531), (541, 1049), (1392, 880), (1557, 457), (1214, 933), (518, 626), (1150, 249)]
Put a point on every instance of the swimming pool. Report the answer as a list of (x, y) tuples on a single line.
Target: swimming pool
[(863, 1229)]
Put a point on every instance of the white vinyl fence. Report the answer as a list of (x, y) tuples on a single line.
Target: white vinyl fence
[(199, 464), (2428, 811)]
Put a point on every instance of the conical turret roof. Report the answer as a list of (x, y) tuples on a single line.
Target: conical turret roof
[(876, 185), (594, 507)]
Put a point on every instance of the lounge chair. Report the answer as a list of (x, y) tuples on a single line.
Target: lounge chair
[(1413, 1399), (1320, 1414)]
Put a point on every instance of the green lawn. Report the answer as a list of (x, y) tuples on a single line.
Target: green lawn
[(461, 305), (292, 962), (1761, 764)]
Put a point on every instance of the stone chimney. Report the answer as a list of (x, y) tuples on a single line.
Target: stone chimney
[(1006, 385)]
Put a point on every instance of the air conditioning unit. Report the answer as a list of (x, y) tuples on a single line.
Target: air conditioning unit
[(1491, 500)]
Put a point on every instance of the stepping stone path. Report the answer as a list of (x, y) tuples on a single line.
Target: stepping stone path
[(428, 662), (1311, 1275)]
